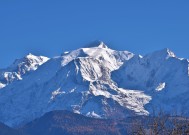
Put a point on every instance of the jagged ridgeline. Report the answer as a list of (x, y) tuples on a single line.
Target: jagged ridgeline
[(94, 81)]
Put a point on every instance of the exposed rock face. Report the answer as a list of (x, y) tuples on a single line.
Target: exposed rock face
[(97, 82)]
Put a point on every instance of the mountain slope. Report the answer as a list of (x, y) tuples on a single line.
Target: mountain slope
[(5, 130), (98, 82), (161, 75), (83, 77), (67, 123), (19, 68)]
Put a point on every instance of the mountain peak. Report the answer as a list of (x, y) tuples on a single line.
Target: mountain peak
[(102, 45), (170, 53), (96, 43), (30, 59), (20, 67), (164, 53), (30, 56), (103, 78)]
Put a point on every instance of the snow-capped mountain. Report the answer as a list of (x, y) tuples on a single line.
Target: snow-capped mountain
[(161, 75), (98, 82), (19, 68)]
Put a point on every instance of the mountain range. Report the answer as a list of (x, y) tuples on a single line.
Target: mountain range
[(94, 81)]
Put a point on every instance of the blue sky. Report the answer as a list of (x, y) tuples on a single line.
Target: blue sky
[(51, 27)]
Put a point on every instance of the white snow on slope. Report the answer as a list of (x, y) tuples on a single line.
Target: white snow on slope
[(160, 75), (93, 114), (131, 99), (63, 83), (106, 55), (56, 93), (2, 85), (21, 67), (98, 82), (161, 86)]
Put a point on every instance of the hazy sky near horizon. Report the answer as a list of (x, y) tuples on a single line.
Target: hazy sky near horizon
[(52, 27)]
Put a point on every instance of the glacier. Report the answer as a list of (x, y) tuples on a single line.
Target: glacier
[(94, 81), (19, 68)]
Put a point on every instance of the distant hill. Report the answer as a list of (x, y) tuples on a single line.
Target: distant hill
[(67, 123), (5, 130)]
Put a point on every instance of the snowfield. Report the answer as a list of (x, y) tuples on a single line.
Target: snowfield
[(94, 81)]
